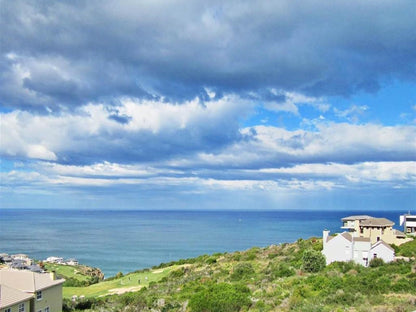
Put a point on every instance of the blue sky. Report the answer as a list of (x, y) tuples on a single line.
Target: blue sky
[(194, 105)]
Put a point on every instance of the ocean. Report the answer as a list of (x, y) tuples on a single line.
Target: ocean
[(125, 241)]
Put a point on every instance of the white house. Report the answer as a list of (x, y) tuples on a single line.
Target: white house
[(345, 247), (383, 251), (408, 222)]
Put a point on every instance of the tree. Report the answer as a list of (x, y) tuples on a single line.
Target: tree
[(313, 261)]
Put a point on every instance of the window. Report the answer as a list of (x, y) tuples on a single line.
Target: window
[(39, 310), (8, 310), (361, 230), (374, 256), (47, 309), (22, 307), (38, 295)]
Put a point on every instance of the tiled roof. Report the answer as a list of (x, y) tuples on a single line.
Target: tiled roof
[(27, 281), (347, 236), (10, 296), (361, 239), (399, 233), (377, 222), (357, 217)]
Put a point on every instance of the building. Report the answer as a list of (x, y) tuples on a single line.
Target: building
[(30, 291), (346, 247), (58, 260), (376, 229), (13, 300), (408, 222)]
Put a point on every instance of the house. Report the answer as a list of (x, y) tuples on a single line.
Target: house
[(55, 260), (346, 247), (383, 251), (44, 290), (13, 300), (375, 229), (408, 222), (72, 262)]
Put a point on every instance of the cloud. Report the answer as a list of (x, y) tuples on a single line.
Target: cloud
[(353, 113), (59, 55), (134, 131), (330, 142)]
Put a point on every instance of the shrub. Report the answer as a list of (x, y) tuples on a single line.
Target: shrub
[(177, 273), (407, 249), (282, 270), (313, 261), (220, 297), (376, 262), (211, 260), (242, 270)]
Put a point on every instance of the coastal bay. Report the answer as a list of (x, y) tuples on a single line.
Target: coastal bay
[(125, 241)]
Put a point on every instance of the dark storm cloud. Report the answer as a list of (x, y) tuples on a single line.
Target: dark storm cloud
[(59, 54)]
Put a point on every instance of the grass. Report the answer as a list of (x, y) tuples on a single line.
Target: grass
[(67, 271), (129, 282)]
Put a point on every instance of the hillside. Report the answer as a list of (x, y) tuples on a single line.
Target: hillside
[(275, 278)]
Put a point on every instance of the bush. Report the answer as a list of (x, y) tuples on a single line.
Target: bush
[(313, 261), (177, 273), (242, 270), (220, 297), (407, 249), (282, 270), (376, 262)]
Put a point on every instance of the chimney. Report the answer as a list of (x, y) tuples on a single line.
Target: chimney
[(52, 274), (325, 235)]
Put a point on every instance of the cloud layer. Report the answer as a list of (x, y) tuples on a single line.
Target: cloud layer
[(63, 54), (172, 102)]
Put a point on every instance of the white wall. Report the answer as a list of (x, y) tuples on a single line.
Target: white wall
[(337, 249)]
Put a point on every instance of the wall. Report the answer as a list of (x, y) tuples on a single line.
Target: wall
[(52, 298), (337, 249)]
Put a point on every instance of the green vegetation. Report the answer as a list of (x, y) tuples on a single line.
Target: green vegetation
[(75, 275), (221, 297), (313, 261), (289, 277), (407, 250), (119, 284)]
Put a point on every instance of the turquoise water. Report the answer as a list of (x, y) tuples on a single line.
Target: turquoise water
[(130, 240)]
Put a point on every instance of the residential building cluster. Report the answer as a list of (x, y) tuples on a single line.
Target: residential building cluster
[(20, 262), (366, 238)]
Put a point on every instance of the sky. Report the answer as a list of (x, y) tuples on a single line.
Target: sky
[(175, 104)]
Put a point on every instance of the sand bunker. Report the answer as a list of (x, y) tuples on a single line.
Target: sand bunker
[(119, 291)]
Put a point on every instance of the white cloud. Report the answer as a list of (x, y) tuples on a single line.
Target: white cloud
[(148, 129), (293, 100), (362, 172)]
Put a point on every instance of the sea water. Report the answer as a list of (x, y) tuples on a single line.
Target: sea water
[(125, 241)]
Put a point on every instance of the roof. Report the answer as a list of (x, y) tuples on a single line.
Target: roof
[(381, 242), (357, 217), (399, 233), (377, 222), (347, 236), (27, 281), (10, 296), (361, 239)]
